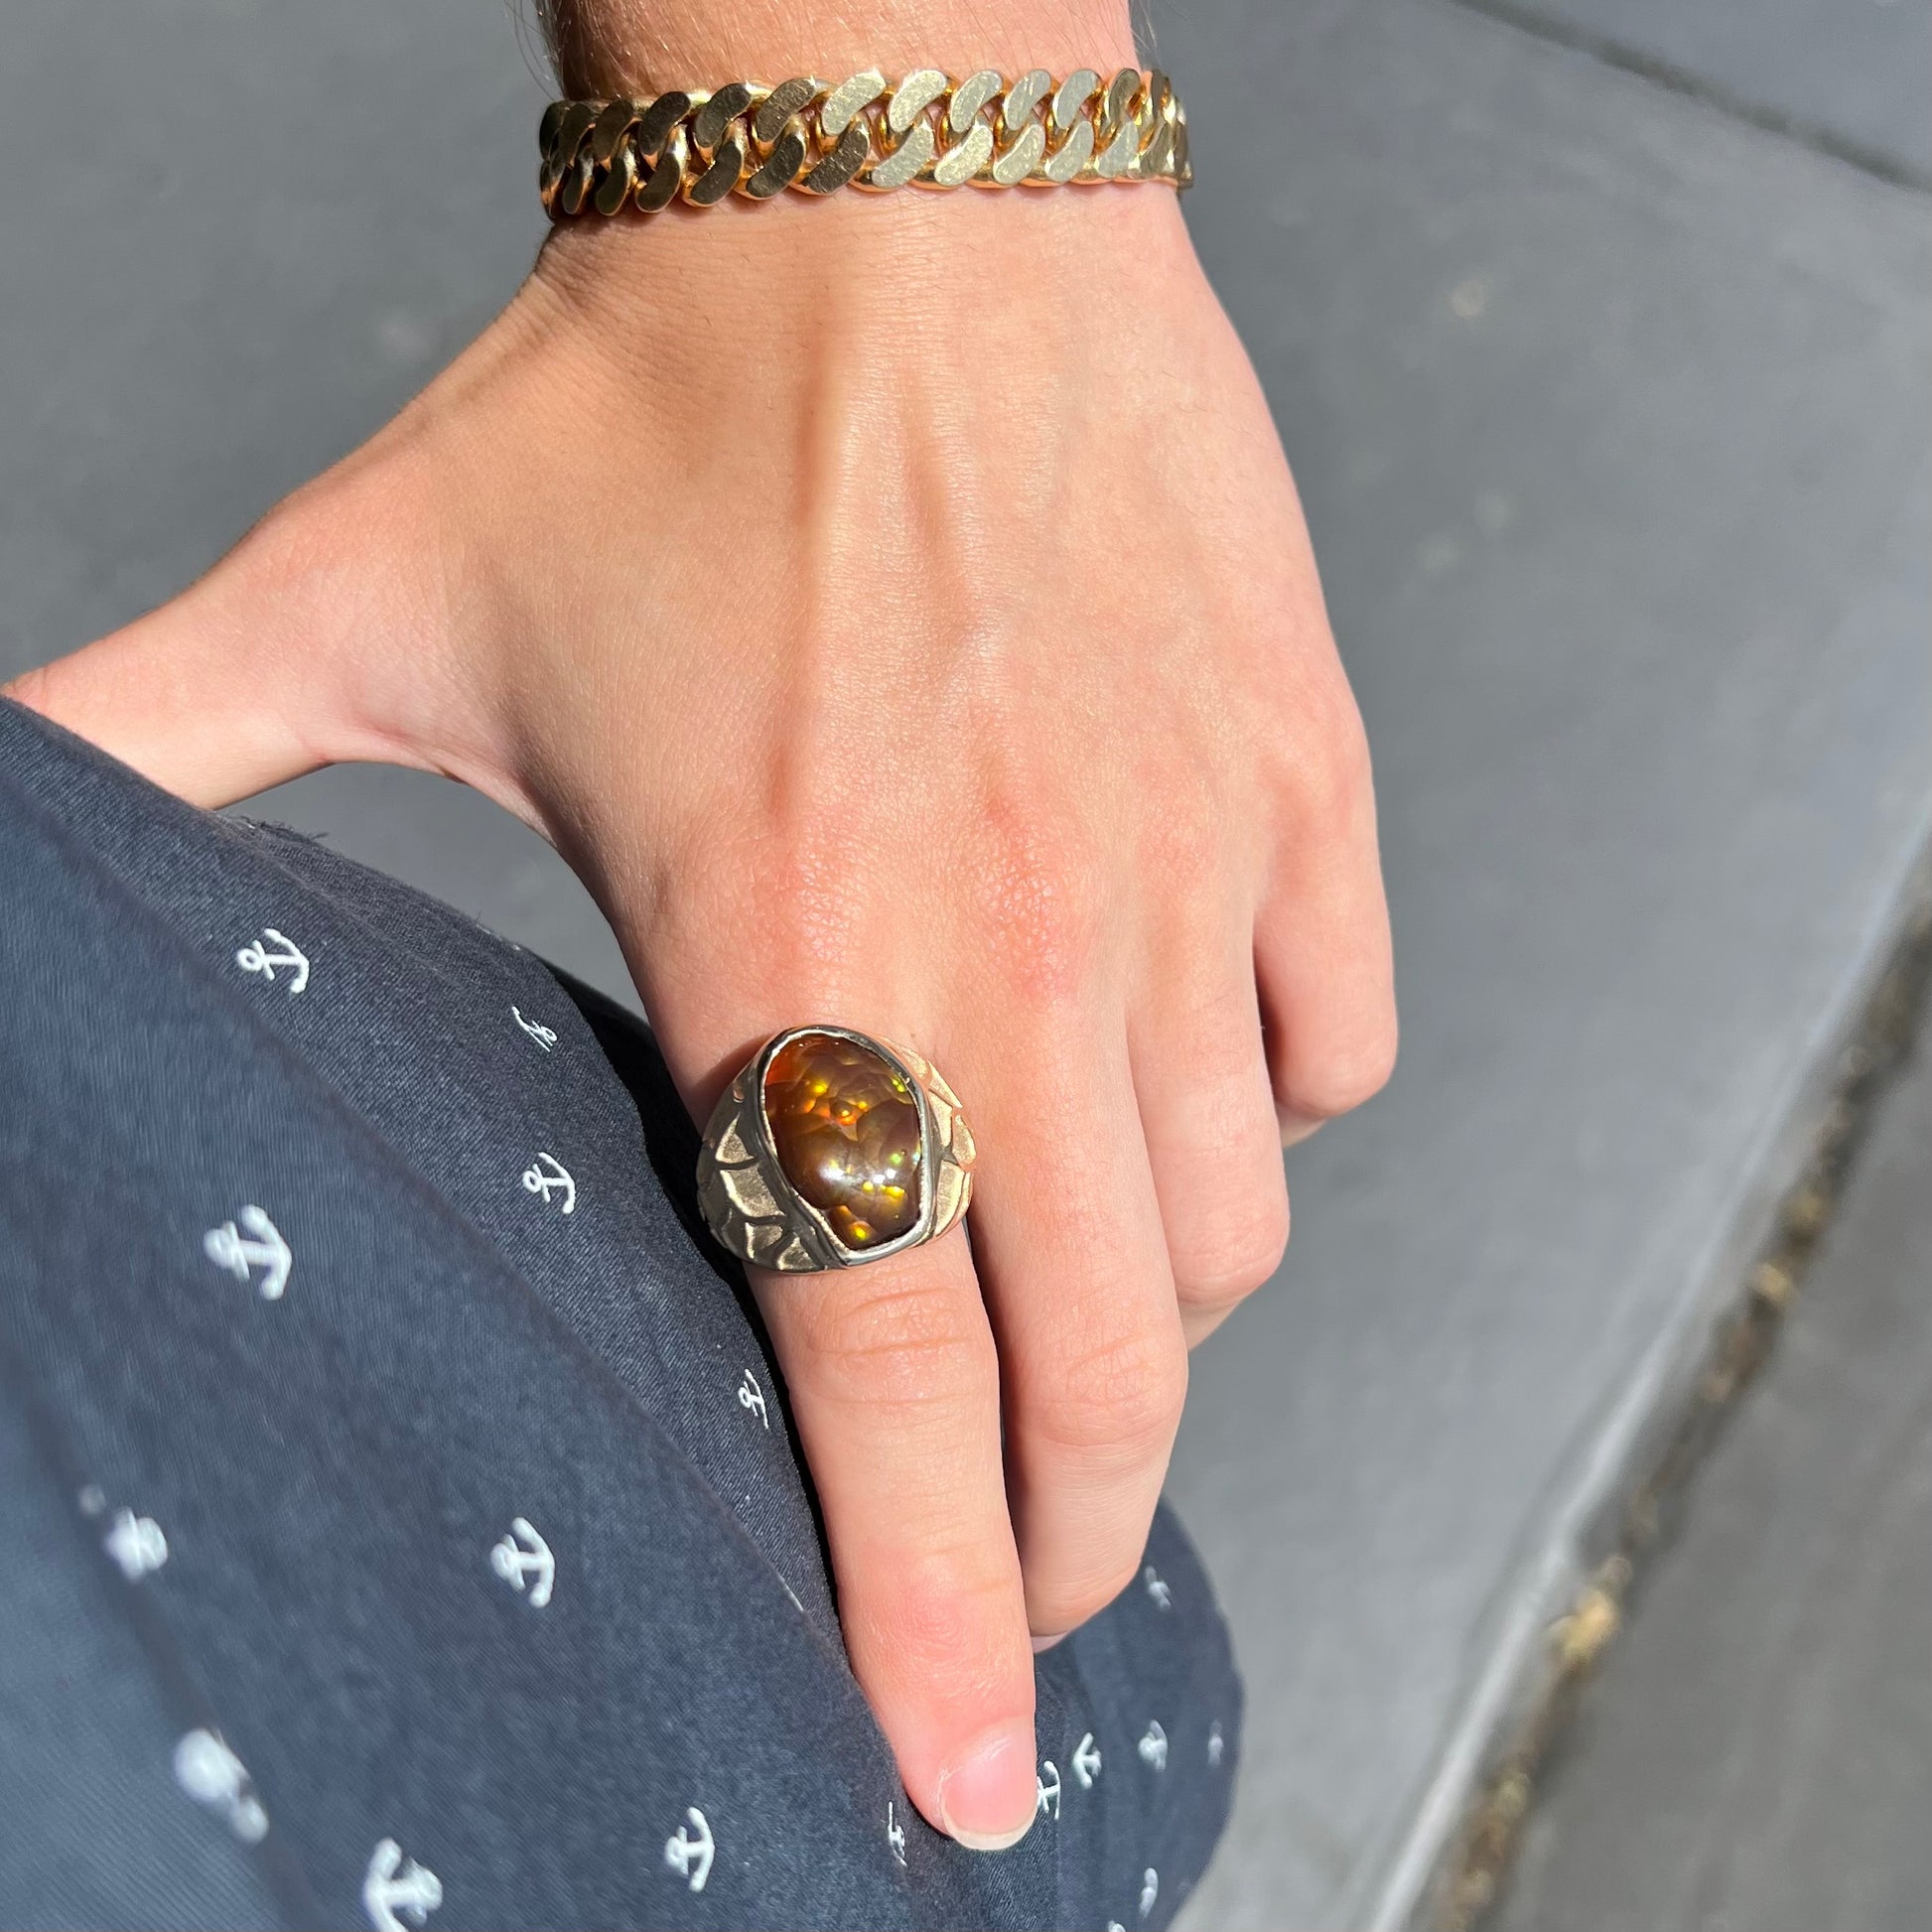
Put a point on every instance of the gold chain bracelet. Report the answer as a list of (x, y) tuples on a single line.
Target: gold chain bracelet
[(927, 131)]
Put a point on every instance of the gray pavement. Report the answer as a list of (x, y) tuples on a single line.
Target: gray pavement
[(1611, 408), (1557, 354), (229, 284), (1757, 1754), (1849, 76)]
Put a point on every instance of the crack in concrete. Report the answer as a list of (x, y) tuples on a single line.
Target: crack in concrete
[(1472, 1875), (1606, 49)]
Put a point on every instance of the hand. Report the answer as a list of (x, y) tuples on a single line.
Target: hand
[(898, 612)]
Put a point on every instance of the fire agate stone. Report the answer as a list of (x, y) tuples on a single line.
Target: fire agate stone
[(846, 1127)]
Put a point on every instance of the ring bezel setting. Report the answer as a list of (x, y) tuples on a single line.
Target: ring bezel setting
[(751, 1205)]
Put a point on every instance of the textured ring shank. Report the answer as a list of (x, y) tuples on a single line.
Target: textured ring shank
[(925, 130), (752, 1210)]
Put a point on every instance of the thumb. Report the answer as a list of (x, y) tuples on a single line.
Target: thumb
[(302, 647)]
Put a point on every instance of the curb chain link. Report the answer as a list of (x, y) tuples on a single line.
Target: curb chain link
[(927, 131)]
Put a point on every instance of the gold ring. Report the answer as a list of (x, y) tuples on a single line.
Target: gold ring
[(831, 1149)]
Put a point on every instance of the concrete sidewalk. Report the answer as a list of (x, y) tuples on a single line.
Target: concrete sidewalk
[(1757, 1751), (1597, 336)]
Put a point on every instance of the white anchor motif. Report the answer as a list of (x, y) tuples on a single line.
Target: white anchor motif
[(93, 1499), (136, 1544), (1086, 1761), (1049, 1799), (751, 1397), (1149, 1889), (516, 1563), (1154, 1747), (690, 1855), (539, 1182), (894, 1833), (1114, 1925), (212, 1775), (395, 1888), (261, 1247), (1216, 1745), (545, 1037), (1155, 1589), (256, 958)]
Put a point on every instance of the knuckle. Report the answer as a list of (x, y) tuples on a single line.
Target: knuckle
[(1333, 778), (1237, 1253), (1036, 883), (1212, 1025), (1183, 839), (1347, 1073), (946, 1615), (1070, 1601), (1119, 1398), (895, 1343), (791, 858)]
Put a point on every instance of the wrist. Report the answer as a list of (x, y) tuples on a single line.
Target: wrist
[(643, 46), (856, 266)]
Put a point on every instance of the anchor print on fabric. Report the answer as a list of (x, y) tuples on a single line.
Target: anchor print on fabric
[(894, 1833), (251, 1241), (690, 1855), (1149, 1889), (395, 1888), (256, 957), (1086, 1761), (136, 1544), (521, 1555), (556, 1181), (1216, 1745), (1048, 1802), (751, 1397), (212, 1775), (1152, 1747), (545, 1037), (1155, 1589)]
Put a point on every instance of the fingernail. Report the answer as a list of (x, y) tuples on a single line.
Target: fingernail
[(1047, 1643), (987, 1799)]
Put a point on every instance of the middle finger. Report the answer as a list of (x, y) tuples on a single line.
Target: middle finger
[(1067, 1238)]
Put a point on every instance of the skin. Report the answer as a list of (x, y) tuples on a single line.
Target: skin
[(898, 612)]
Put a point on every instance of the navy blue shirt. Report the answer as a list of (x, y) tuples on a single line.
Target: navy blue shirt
[(404, 1523)]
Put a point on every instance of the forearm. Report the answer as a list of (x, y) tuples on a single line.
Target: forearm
[(607, 47)]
